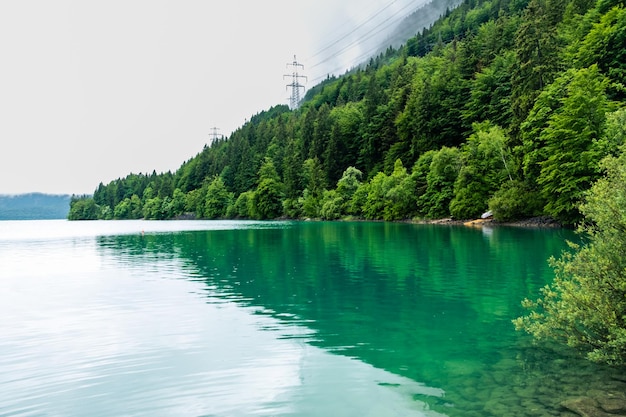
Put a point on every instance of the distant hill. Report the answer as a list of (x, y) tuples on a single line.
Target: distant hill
[(34, 206)]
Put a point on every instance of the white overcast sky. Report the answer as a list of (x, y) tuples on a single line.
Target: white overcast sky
[(91, 91)]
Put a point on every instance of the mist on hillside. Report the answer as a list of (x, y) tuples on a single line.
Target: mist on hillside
[(360, 40)]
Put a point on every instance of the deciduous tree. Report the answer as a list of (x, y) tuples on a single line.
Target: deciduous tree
[(585, 306)]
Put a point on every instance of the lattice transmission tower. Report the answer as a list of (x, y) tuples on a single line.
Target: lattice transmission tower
[(214, 135), (294, 100)]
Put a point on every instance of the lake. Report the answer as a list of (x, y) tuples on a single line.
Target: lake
[(245, 318)]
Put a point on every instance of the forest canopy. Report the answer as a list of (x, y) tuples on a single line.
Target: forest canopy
[(501, 105)]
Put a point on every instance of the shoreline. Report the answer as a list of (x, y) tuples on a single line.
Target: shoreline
[(541, 222)]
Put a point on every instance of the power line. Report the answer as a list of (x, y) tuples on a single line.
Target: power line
[(394, 19), (372, 17), (369, 34)]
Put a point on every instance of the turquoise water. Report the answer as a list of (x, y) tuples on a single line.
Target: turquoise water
[(231, 318)]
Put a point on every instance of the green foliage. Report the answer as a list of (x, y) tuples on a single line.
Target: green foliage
[(538, 49), (83, 208), (470, 194), (332, 205), (195, 201), (432, 117), (122, 209), (178, 202), (533, 149), (542, 70), (374, 205), (515, 200), (400, 199), (321, 133), (572, 158), (310, 204), (268, 170), (243, 207), (444, 169), (292, 171), (217, 199), (347, 186), (152, 209), (292, 208), (129, 208), (490, 97), (315, 184), (342, 148), (562, 139), (377, 130), (604, 46), (419, 175), (614, 134), (484, 169), (247, 168), (268, 198), (349, 182), (148, 193), (358, 200), (585, 306)]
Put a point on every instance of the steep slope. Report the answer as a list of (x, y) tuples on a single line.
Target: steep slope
[(501, 105)]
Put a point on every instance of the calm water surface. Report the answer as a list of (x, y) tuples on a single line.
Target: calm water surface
[(238, 318)]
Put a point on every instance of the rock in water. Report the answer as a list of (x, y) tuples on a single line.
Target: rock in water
[(585, 407)]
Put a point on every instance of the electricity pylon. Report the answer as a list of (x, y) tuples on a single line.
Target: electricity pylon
[(214, 135), (294, 100)]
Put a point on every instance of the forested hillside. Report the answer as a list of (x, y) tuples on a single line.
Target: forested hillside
[(34, 206), (507, 105)]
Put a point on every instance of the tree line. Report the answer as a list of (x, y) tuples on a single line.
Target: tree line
[(501, 105)]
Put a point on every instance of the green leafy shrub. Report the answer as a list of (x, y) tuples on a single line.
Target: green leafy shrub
[(83, 208), (585, 306), (267, 199), (243, 207), (483, 171), (515, 200), (332, 204), (217, 199)]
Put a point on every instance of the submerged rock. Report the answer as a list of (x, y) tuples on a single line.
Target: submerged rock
[(590, 407), (613, 405), (611, 402)]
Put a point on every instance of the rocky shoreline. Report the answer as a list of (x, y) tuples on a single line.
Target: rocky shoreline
[(533, 222)]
